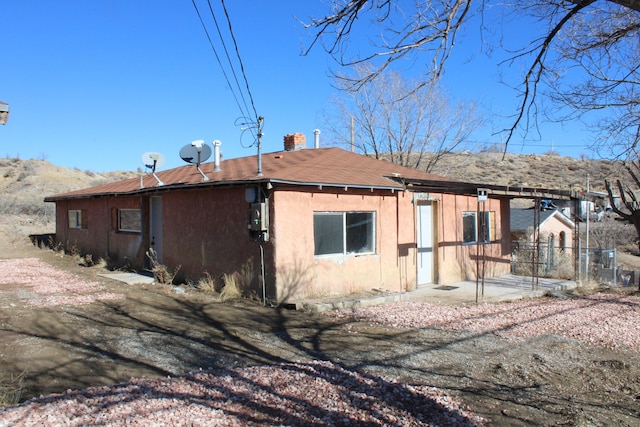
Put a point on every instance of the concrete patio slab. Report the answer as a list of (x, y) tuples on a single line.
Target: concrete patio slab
[(494, 289), (128, 278)]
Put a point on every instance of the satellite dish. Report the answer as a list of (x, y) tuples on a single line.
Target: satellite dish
[(196, 152), (153, 160)]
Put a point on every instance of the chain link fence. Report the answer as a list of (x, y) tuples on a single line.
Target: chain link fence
[(542, 260), (595, 265)]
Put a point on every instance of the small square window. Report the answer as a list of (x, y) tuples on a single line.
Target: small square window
[(129, 220), (77, 218)]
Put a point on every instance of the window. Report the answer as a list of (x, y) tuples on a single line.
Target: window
[(341, 233), (129, 220), (77, 218), (477, 227)]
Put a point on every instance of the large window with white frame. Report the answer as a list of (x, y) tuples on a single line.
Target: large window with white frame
[(477, 227), (343, 233)]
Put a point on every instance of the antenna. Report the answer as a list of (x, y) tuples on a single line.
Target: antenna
[(153, 160), (196, 153)]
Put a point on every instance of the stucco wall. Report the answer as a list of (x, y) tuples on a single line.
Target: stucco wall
[(458, 261), (205, 231), (100, 238), (555, 226), (300, 274)]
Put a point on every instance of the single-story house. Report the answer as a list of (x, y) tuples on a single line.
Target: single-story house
[(294, 224), (553, 227)]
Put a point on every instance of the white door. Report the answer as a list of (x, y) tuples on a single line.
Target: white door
[(155, 227), (425, 243)]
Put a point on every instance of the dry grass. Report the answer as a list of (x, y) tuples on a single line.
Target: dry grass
[(161, 273), (230, 290), (25, 183), (11, 389), (227, 290), (207, 284)]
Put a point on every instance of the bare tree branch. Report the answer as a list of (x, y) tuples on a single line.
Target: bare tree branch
[(532, 78), (414, 130), (578, 62)]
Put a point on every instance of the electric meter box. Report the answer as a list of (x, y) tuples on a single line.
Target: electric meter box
[(259, 217)]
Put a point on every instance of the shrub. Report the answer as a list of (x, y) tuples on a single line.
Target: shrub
[(161, 273)]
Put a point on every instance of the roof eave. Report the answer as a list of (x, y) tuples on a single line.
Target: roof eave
[(205, 184)]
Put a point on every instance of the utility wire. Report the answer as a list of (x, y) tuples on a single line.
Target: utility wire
[(215, 52), (226, 51), (239, 59)]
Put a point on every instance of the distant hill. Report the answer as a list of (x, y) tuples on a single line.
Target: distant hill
[(544, 171), (25, 183)]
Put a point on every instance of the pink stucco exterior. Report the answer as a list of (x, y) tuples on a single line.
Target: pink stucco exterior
[(205, 231), (458, 261), (300, 274), (559, 230)]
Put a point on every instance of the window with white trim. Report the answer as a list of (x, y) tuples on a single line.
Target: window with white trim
[(129, 220), (343, 233), (477, 227)]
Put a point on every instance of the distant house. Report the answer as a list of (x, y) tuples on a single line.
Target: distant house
[(554, 227), (315, 222)]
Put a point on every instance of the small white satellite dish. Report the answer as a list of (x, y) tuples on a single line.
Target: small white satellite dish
[(153, 160)]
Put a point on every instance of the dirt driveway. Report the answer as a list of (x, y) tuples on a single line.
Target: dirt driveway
[(152, 331)]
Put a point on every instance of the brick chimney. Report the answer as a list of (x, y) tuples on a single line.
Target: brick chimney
[(295, 141)]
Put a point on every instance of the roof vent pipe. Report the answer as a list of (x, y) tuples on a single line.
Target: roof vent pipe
[(316, 134), (216, 155)]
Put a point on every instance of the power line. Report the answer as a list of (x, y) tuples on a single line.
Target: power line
[(215, 52), (239, 58), (237, 91), (226, 51)]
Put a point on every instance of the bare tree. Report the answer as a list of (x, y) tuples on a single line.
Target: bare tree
[(409, 127), (629, 208), (586, 56)]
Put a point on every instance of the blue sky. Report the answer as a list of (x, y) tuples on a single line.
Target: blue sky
[(95, 84)]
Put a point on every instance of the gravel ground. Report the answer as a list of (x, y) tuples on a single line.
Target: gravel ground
[(312, 393), (303, 394), (600, 319)]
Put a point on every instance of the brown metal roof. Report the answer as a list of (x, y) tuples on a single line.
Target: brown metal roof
[(323, 166)]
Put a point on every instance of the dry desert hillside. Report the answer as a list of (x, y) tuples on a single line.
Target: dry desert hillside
[(25, 183)]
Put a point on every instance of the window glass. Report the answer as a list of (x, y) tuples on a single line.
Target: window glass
[(468, 227), (328, 233), (359, 232), (75, 218), (484, 228), (476, 228), (339, 233), (129, 220)]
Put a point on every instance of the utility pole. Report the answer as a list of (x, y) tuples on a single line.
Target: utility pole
[(352, 136), (586, 262), (260, 120)]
